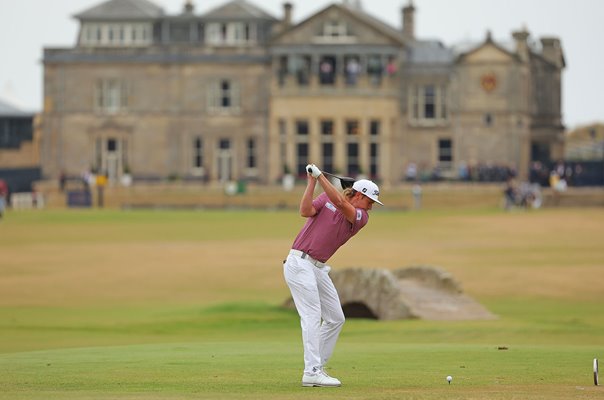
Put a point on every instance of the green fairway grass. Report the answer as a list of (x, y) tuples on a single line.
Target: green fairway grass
[(269, 369), (187, 304)]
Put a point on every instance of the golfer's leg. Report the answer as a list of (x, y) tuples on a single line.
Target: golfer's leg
[(301, 280), (331, 311)]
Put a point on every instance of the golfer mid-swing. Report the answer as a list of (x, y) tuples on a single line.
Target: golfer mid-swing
[(333, 218)]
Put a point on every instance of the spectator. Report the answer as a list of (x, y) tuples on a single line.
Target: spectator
[(417, 196), (3, 196), (391, 67), (353, 68), (560, 169), (326, 73), (578, 175), (62, 181), (375, 70), (411, 172), (510, 194), (463, 171)]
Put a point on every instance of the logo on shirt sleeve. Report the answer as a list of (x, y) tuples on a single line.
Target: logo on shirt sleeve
[(330, 206), (359, 215)]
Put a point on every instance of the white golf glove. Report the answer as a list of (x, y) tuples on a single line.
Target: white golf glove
[(313, 170)]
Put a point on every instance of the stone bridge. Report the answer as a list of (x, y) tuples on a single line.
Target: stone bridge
[(415, 292)]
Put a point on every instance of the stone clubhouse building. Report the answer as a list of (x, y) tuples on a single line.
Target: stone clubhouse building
[(238, 94)]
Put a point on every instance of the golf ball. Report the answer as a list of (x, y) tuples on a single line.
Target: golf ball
[(449, 378)]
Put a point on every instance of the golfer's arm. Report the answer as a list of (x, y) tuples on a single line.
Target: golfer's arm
[(306, 208), (337, 199)]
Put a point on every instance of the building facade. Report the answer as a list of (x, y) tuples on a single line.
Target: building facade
[(237, 94), (19, 148)]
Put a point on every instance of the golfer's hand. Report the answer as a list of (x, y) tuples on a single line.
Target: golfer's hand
[(313, 170)]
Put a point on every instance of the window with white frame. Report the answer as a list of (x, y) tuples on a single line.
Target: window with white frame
[(224, 95), (428, 103), (302, 146), (88, 34), (352, 157), (121, 34), (445, 153), (115, 34), (327, 145), (353, 131), (302, 158), (197, 156), (214, 33), (443, 103), (334, 30), (111, 33), (352, 127), (111, 96), (231, 33), (375, 128), (283, 145), (251, 159), (374, 154)]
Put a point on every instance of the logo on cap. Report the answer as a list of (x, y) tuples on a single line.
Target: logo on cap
[(367, 188)]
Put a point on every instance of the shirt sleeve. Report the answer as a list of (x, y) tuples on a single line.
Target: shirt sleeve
[(360, 220), (319, 202)]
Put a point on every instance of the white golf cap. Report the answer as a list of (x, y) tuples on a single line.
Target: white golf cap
[(368, 188)]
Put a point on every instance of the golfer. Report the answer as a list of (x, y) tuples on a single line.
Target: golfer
[(333, 218)]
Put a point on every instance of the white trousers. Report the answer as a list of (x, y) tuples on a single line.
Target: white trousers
[(318, 305)]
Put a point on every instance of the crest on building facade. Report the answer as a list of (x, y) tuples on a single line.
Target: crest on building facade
[(488, 82)]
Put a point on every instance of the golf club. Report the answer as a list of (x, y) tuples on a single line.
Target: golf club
[(345, 181)]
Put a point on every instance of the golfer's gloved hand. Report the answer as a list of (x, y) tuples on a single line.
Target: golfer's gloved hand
[(313, 170)]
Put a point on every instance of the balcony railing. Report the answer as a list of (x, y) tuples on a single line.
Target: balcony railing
[(338, 84)]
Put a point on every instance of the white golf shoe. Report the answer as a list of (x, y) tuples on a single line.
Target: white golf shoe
[(320, 379)]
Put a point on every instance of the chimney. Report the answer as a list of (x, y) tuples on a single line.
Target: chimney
[(522, 48), (189, 7), (409, 21), (288, 9), (552, 51)]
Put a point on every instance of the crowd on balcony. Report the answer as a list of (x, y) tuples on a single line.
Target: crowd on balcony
[(350, 68)]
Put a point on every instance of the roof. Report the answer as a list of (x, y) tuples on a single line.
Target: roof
[(358, 14), (373, 21), (122, 10), (430, 52), (8, 110), (507, 45), (238, 10), (593, 131), (461, 49)]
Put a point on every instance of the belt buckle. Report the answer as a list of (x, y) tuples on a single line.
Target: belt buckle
[(314, 262)]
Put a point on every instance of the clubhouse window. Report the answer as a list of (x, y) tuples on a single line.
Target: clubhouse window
[(224, 96), (445, 153), (197, 156), (428, 103)]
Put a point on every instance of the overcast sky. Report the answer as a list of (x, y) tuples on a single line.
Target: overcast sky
[(27, 26)]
